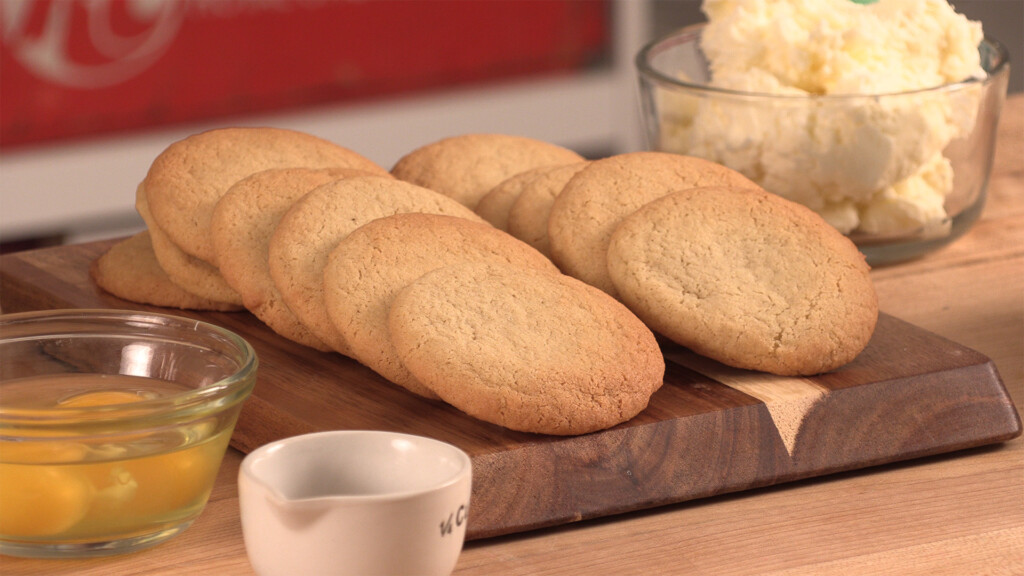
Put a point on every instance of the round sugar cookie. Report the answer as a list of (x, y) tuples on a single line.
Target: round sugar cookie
[(185, 181), (593, 202), (530, 350), (369, 266), (129, 270), (496, 203), (316, 222), (747, 278), (241, 225), (468, 166), (528, 215), (188, 272)]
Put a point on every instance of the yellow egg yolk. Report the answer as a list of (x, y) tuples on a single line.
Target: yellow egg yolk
[(100, 398), (41, 500), (39, 497)]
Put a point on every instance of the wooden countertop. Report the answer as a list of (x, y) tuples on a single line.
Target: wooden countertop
[(961, 513)]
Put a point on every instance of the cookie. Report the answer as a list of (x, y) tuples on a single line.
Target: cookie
[(530, 350), (241, 225), (188, 272), (130, 271), (374, 262), (468, 166), (310, 229), (595, 200), (185, 181), (746, 278), (529, 213), (496, 203)]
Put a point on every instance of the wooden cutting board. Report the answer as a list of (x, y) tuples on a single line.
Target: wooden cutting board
[(709, 430)]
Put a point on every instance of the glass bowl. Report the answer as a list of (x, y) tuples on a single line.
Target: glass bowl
[(901, 174), (113, 425)]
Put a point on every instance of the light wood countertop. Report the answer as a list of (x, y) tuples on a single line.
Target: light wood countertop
[(956, 514)]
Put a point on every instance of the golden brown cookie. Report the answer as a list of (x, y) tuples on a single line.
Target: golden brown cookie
[(530, 350), (606, 191), (313, 226), (494, 205), (243, 220), (529, 213), (746, 278), (129, 270), (374, 262), (185, 181), (188, 272), (466, 167)]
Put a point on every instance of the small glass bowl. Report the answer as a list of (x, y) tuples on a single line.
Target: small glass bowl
[(113, 425), (901, 174)]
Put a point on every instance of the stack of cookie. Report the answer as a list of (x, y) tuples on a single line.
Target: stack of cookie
[(711, 261), (509, 277), (705, 257), (393, 269)]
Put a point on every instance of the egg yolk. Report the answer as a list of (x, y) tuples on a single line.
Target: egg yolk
[(41, 500), (169, 482), (100, 398), (42, 452), (50, 487), (38, 498)]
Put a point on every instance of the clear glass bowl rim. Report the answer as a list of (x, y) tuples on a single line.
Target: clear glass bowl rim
[(208, 399), (688, 33)]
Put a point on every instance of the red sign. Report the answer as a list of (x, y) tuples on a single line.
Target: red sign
[(74, 68)]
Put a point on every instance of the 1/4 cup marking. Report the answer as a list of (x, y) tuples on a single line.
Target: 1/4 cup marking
[(455, 520)]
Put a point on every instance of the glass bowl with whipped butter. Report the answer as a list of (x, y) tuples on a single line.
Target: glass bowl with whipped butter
[(901, 173), (113, 425)]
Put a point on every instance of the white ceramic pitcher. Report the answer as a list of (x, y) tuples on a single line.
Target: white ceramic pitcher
[(355, 502)]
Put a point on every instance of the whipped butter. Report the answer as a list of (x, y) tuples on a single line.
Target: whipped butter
[(872, 165)]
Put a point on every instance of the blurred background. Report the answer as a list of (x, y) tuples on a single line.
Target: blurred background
[(92, 90)]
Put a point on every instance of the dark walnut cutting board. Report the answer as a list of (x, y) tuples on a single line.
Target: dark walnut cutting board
[(709, 430)]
